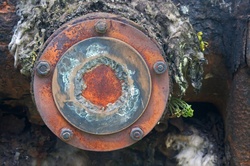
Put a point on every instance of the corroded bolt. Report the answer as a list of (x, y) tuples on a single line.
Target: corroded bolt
[(136, 134), (66, 134), (43, 68), (160, 67), (101, 26)]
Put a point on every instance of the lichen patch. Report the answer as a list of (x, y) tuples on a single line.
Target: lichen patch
[(160, 19)]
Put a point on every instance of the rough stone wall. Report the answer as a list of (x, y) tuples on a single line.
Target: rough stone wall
[(224, 24), (226, 27), (14, 87), (237, 120)]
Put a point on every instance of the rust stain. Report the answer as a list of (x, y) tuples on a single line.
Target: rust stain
[(6, 8), (103, 86), (102, 78)]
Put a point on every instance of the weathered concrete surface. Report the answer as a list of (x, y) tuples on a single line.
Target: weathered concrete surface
[(238, 119)]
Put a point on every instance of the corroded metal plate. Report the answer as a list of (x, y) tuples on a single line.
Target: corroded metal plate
[(135, 62), (101, 85)]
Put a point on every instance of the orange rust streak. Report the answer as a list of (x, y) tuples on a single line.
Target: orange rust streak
[(6, 8), (103, 86)]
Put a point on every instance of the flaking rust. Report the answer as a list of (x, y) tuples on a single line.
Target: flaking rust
[(103, 86), (161, 20), (139, 95)]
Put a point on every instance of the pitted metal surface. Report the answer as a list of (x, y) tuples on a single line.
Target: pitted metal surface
[(94, 111)]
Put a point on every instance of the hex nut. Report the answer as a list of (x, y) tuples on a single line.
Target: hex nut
[(160, 67), (43, 68), (136, 134), (66, 134), (101, 26)]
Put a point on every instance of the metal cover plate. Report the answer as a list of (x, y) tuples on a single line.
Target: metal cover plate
[(101, 85), (77, 31)]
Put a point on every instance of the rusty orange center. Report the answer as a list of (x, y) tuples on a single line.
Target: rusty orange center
[(103, 86)]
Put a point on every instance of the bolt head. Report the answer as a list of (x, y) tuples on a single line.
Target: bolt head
[(66, 134), (160, 67), (101, 26), (136, 134), (43, 68)]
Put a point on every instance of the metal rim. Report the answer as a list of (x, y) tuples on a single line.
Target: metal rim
[(61, 41)]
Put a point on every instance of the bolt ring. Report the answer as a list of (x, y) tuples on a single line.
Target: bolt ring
[(43, 68), (101, 26), (66, 134), (126, 31), (160, 67), (136, 134)]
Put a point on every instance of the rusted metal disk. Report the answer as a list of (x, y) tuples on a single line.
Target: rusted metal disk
[(100, 83)]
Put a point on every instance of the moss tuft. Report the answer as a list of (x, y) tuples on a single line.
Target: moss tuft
[(177, 108)]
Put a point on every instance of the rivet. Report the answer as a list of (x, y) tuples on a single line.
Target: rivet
[(43, 68), (101, 26), (136, 134), (66, 134), (160, 67)]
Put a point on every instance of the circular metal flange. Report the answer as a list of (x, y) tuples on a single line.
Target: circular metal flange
[(103, 84), (101, 81)]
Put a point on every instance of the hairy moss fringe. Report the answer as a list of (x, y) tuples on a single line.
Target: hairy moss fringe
[(160, 19)]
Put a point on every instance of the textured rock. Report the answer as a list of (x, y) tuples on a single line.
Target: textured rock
[(12, 84), (14, 87), (238, 119)]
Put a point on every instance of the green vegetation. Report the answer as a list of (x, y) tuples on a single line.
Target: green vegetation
[(177, 108), (203, 44)]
